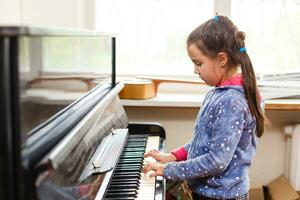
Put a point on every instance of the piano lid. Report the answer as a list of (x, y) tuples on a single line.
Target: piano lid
[(66, 167)]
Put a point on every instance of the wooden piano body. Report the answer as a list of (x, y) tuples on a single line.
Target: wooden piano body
[(88, 150)]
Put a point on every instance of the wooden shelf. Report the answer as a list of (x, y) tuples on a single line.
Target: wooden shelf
[(283, 104)]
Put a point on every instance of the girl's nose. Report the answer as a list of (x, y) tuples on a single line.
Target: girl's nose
[(196, 70)]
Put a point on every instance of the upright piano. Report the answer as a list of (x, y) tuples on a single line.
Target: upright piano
[(82, 149)]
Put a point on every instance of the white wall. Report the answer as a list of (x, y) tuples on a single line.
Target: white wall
[(10, 12), (66, 13), (50, 13)]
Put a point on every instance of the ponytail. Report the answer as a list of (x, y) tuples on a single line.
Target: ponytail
[(251, 92)]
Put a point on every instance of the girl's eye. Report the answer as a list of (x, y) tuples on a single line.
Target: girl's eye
[(198, 64)]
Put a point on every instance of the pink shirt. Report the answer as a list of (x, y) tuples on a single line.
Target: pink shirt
[(235, 80)]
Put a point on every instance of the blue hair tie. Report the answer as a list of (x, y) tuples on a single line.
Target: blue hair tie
[(242, 49), (216, 18)]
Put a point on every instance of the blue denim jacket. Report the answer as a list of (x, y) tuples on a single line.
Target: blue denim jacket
[(222, 148)]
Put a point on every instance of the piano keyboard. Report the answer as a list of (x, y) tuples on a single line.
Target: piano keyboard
[(128, 182)]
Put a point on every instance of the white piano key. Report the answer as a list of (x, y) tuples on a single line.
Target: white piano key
[(147, 184)]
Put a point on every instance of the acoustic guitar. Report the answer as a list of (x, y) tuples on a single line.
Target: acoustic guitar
[(145, 87)]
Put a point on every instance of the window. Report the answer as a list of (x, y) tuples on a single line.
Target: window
[(272, 33), (152, 33), (76, 54)]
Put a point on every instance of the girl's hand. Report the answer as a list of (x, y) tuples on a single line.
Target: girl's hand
[(160, 157), (157, 169)]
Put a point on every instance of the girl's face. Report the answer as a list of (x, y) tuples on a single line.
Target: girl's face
[(209, 69)]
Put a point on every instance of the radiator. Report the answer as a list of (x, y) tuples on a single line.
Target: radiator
[(292, 170)]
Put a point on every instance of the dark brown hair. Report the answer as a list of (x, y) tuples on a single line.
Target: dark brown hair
[(221, 35)]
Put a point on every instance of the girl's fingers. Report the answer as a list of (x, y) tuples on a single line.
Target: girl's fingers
[(151, 153), (153, 174), (153, 169), (154, 154), (145, 168), (148, 167), (156, 157)]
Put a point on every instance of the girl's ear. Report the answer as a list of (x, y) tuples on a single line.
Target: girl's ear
[(222, 58)]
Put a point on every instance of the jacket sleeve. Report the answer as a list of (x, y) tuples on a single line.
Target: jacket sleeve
[(226, 130)]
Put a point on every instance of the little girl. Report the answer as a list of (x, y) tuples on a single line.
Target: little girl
[(216, 161)]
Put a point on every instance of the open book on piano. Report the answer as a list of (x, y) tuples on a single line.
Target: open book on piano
[(85, 150)]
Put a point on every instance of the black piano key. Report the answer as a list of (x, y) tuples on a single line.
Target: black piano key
[(136, 152), (131, 156), (139, 147), (132, 159), (130, 168), (124, 185), (136, 145), (125, 182), (137, 155), (131, 153), (118, 190), (121, 194), (130, 165), (128, 171), (127, 176), (138, 136), (141, 141), (137, 139), (125, 162), (130, 150), (120, 198), (133, 150), (136, 168)]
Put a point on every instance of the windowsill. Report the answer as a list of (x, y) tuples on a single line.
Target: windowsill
[(195, 100), (59, 97)]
